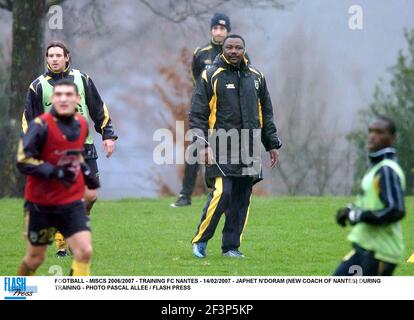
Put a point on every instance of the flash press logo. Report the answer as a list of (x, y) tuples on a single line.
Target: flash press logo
[(16, 288)]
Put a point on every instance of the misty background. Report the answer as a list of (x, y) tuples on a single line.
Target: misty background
[(319, 74)]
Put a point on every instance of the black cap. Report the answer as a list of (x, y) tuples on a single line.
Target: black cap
[(220, 19)]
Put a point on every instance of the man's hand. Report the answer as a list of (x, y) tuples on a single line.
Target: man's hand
[(274, 158), (207, 154), (108, 146), (65, 173), (351, 213), (342, 216)]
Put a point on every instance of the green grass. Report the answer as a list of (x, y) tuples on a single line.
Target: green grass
[(285, 236)]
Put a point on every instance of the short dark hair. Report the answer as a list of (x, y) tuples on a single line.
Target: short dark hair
[(391, 126), (66, 82), (235, 36), (59, 44)]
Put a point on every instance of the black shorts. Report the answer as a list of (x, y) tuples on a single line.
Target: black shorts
[(93, 166), (90, 155), (361, 262), (43, 221)]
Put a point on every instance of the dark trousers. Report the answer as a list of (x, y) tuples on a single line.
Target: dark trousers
[(230, 195), (189, 180), (361, 262)]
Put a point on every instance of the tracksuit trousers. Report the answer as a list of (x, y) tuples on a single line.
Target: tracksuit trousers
[(231, 196)]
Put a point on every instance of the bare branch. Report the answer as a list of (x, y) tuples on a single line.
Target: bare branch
[(180, 10), (79, 24), (177, 15), (264, 4)]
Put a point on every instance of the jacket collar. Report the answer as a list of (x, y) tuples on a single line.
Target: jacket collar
[(216, 44), (385, 153), (58, 75), (221, 61)]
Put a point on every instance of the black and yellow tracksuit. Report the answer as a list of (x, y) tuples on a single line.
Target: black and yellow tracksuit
[(98, 110), (203, 58), (231, 97)]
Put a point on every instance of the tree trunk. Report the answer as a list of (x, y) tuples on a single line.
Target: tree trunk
[(27, 64)]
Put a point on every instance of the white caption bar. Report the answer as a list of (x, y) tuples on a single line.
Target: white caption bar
[(206, 288)]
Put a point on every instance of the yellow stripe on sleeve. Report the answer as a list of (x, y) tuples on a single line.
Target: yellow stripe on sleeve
[(213, 107), (21, 157), (106, 117), (204, 75), (259, 105), (24, 123)]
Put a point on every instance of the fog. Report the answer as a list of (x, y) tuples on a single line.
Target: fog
[(307, 50)]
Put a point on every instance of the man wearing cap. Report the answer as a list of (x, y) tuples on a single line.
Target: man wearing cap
[(203, 58), (220, 27)]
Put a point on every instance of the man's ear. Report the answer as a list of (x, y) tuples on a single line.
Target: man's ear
[(78, 99)]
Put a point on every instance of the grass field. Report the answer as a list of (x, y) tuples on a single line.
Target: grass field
[(285, 236)]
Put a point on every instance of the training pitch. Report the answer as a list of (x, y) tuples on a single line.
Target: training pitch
[(145, 237)]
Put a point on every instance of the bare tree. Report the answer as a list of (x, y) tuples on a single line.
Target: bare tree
[(29, 21), (176, 97), (82, 18), (28, 36), (313, 150)]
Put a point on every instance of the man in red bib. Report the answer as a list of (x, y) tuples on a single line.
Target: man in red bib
[(50, 154)]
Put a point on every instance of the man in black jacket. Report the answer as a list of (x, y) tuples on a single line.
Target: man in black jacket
[(232, 98), (203, 57), (91, 106)]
